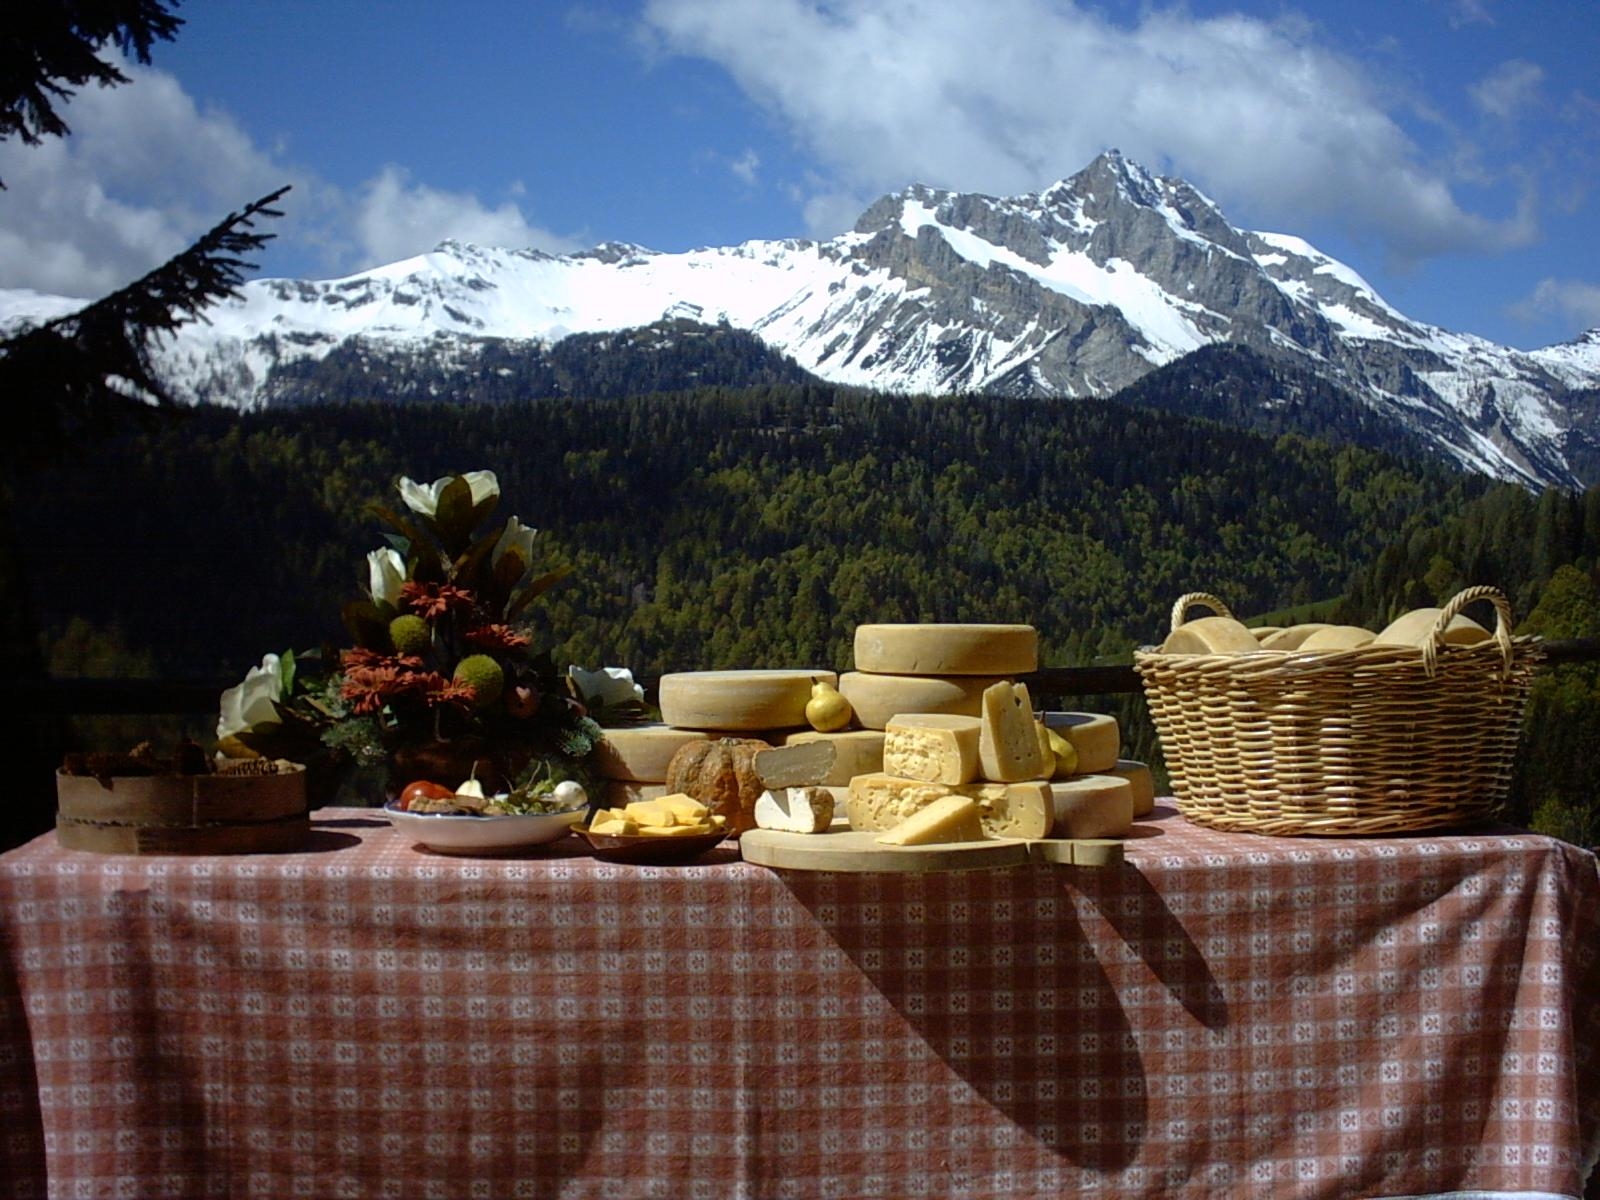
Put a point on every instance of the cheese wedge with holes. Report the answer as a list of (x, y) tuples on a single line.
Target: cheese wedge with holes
[(640, 753), (1140, 780), (947, 819), (738, 700), (1095, 736), (1014, 810), (947, 649), (795, 809), (1091, 806), (876, 698), (937, 747), (855, 752), (1008, 742)]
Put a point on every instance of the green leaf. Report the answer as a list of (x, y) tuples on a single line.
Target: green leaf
[(455, 515), (367, 623), (535, 589)]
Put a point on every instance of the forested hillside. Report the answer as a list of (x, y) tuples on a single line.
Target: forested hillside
[(756, 528)]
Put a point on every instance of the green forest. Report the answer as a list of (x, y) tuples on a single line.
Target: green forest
[(758, 526)]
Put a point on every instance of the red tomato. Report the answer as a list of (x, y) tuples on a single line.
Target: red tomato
[(420, 789)]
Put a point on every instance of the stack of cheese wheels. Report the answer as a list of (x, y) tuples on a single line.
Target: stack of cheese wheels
[(933, 668), (633, 759)]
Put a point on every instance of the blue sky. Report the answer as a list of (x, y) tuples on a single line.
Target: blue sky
[(1448, 150)]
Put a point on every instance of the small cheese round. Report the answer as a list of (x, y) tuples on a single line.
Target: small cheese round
[(738, 701), (1091, 806), (876, 698), (1415, 628), (1095, 736), (936, 649), (641, 752), (855, 751), (1337, 637), (1211, 635), (1290, 638), (1140, 780)]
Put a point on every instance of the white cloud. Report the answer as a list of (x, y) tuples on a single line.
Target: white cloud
[(1010, 95), (1570, 299), (746, 166), (145, 171), (1509, 90)]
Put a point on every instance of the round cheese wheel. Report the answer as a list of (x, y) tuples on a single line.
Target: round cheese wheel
[(855, 751), (738, 701), (1415, 628), (1337, 637), (934, 649), (1091, 806), (1211, 635), (1291, 637), (1140, 780), (876, 698), (641, 752), (1095, 736)]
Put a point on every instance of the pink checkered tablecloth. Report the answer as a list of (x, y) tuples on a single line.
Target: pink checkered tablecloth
[(1223, 1016)]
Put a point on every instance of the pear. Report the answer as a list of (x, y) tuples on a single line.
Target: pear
[(1065, 752), (827, 710)]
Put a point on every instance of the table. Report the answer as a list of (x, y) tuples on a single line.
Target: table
[(1223, 1015)]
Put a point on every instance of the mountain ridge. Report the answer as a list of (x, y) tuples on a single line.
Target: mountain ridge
[(1079, 290)]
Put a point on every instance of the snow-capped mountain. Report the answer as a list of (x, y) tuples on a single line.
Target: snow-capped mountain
[(1075, 291)]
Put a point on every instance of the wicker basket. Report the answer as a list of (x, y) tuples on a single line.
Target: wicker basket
[(1375, 740)]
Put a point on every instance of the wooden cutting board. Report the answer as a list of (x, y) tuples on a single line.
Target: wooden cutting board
[(849, 850)]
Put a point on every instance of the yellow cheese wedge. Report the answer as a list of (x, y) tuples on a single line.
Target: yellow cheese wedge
[(1415, 628), (944, 649), (1095, 736), (948, 819), (1337, 637), (1091, 806), (1008, 743), (614, 826), (685, 808), (876, 698), (937, 747), (651, 813), (640, 753), (1211, 635), (855, 752), (738, 700), (1012, 810)]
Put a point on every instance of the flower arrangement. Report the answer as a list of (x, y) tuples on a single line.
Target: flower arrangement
[(441, 680)]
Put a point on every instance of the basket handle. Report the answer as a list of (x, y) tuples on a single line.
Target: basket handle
[(1502, 625), (1182, 606)]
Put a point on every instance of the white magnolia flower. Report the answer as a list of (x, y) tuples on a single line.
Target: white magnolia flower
[(386, 571), (251, 703), (424, 498), (608, 685), (518, 537)]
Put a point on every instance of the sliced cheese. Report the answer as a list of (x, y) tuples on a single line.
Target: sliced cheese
[(1095, 736), (738, 701), (876, 698), (1415, 628), (855, 751), (1337, 637), (1140, 780), (795, 809), (947, 819), (1008, 742), (1211, 635), (935, 649), (640, 753), (1016, 810), (800, 765), (1091, 806), (937, 747)]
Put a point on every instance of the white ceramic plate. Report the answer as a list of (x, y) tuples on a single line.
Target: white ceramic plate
[(451, 833)]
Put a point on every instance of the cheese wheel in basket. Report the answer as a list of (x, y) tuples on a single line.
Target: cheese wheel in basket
[(738, 701), (944, 649), (1095, 736), (1415, 628), (876, 698), (1337, 637), (1211, 635)]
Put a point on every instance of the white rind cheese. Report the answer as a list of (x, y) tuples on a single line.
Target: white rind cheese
[(937, 747), (738, 701), (947, 819), (795, 809), (855, 751), (876, 698), (934, 649), (1091, 806), (1008, 740), (640, 753), (1095, 736), (1013, 810), (1140, 780)]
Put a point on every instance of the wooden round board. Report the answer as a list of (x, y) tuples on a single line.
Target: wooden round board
[(850, 850)]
